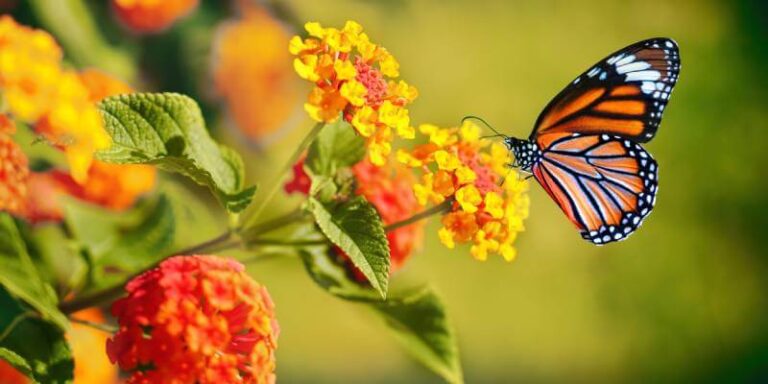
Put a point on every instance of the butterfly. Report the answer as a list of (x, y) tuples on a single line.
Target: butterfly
[(585, 149)]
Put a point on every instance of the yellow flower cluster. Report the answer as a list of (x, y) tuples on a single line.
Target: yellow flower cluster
[(355, 78), (37, 90), (489, 203)]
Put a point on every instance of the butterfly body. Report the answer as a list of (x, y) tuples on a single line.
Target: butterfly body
[(585, 149)]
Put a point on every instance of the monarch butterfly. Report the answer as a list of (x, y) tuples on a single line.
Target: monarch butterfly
[(585, 146)]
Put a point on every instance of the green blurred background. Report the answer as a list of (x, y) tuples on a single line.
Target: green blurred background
[(682, 300)]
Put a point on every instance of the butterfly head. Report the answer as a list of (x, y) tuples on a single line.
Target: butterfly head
[(526, 152)]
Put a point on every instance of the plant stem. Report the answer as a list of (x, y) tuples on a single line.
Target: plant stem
[(440, 208), (251, 217), (274, 224), (109, 294), (287, 242), (100, 326)]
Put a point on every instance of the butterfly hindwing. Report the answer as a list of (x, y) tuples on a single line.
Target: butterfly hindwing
[(605, 184), (624, 94)]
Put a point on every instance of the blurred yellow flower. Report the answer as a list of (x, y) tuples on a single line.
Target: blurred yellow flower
[(489, 203), (251, 72), (152, 15), (40, 92), (349, 74)]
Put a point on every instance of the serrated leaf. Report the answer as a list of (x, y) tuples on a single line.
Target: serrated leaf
[(336, 146), (420, 324), (120, 245), (35, 347), (356, 228), (333, 277), (20, 277), (168, 130)]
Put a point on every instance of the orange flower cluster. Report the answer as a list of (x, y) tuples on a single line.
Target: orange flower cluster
[(388, 189), (257, 84), (39, 91), (14, 171), (458, 165), (195, 319), (152, 15), (350, 74)]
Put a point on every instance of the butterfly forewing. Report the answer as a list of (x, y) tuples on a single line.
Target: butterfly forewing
[(605, 184), (624, 94)]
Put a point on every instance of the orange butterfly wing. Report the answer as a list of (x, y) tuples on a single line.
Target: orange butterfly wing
[(606, 185), (624, 94)]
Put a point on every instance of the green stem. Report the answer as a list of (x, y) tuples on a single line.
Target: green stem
[(250, 218), (288, 243), (218, 243), (445, 206), (100, 326), (274, 224)]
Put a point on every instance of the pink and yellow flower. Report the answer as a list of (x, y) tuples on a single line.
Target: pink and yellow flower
[(195, 319), (356, 79), (488, 202)]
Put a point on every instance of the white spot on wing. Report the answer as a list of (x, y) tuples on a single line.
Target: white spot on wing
[(625, 60), (632, 67), (643, 76)]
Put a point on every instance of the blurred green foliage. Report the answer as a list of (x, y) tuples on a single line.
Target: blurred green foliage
[(682, 300)]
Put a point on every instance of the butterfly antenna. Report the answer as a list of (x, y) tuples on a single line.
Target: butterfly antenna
[(498, 134)]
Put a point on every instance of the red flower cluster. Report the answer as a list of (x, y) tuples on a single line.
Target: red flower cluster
[(389, 189), (195, 319)]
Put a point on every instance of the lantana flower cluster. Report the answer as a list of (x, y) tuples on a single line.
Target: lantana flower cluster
[(488, 202), (195, 319), (389, 189), (356, 79), (40, 92)]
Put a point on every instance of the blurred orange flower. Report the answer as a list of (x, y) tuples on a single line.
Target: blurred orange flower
[(457, 165), (40, 92), (14, 171), (152, 15), (195, 319), (350, 76), (91, 363), (256, 83)]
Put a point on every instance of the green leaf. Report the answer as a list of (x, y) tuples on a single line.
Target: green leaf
[(20, 277), (336, 146), (333, 277), (420, 324), (168, 130), (120, 245), (356, 228), (35, 347)]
